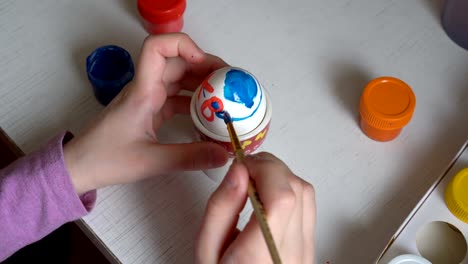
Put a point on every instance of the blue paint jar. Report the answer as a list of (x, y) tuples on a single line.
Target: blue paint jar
[(109, 69), (455, 21)]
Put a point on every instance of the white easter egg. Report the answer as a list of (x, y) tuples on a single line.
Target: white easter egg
[(233, 90)]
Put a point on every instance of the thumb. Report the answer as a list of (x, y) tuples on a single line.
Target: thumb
[(222, 214), (190, 156)]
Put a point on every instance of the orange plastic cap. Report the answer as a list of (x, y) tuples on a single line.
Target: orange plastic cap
[(387, 105)]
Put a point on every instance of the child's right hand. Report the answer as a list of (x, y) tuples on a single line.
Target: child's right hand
[(289, 203)]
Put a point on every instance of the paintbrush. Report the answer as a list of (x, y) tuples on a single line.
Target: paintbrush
[(253, 194)]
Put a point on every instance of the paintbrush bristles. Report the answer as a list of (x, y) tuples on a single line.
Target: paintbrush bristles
[(236, 145), (227, 117)]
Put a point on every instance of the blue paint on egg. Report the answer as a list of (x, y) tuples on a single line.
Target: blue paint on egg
[(215, 105), (220, 114), (240, 87)]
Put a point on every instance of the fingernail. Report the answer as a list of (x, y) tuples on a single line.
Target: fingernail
[(218, 159), (230, 180), (197, 55), (255, 157)]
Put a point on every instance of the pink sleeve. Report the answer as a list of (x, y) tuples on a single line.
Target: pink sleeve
[(37, 197)]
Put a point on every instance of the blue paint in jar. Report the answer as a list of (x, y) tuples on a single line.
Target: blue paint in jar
[(455, 21), (109, 69)]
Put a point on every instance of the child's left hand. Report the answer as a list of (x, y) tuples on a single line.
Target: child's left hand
[(121, 145)]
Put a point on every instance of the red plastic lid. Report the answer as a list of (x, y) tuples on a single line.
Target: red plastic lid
[(161, 11)]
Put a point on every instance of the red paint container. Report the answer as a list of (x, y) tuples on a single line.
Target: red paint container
[(162, 16)]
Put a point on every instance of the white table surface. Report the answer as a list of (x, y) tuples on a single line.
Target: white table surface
[(314, 57)]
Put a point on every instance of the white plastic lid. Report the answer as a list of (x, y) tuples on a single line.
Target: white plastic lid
[(409, 259)]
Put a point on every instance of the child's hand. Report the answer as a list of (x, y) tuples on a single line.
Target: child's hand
[(289, 203), (121, 145)]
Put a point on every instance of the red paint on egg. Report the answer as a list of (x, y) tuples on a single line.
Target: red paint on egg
[(210, 106)]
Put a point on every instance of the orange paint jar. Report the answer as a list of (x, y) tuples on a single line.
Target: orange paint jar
[(162, 16), (387, 105)]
